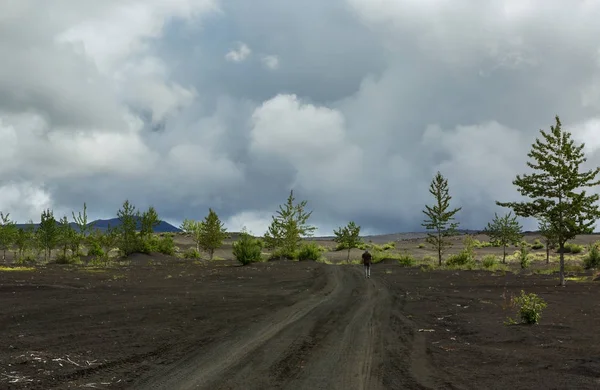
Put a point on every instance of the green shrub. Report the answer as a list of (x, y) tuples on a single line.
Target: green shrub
[(95, 250), (407, 260), (166, 245), (460, 259), (530, 307), (62, 259), (247, 249), (537, 244), (489, 261), (309, 251), (388, 246), (524, 257), (191, 253), (592, 260), (421, 246), (148, 245), (572, 248)]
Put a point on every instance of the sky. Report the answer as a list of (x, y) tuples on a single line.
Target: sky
[(230, 104)]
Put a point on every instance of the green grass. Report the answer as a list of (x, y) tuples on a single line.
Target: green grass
[(16, 269)]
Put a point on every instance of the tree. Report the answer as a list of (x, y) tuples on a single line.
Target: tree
[(556, 188), (504, 230), (549, 236), (192, 227), (22, 240), (128, 239), (149, 221), (288, 227), (47, 233), (440, 217), (348, 237), (211, 233), (65, 236), (8, 233), (84, 229)]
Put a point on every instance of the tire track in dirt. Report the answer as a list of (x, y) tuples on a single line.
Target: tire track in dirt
[(407, 365), (206, 370), (349, 356)]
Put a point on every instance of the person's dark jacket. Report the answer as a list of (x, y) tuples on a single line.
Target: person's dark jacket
[(366, 257)]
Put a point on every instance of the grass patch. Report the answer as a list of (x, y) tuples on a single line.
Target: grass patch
[(16, 269)]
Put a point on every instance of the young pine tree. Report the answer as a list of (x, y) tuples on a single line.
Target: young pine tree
[(8, 233), (504, 230), (84, 229), (149, 221), (556, 188), (47, 233), (65, 235), (211, 233), (348, 237), (288, 227), (440, 216), (128, 238)]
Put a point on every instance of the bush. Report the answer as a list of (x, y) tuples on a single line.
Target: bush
[(247, 249), (407, 260), (421, 246), (530, 307), (460, 259), (191, 253), (592, 260), (309, 251), (95, 250), (524, 257), (148, 245), (489, 261), (572, 248), (388, 246), (166, 245), (62, 259), (537, 244)]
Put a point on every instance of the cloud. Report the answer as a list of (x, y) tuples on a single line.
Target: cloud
[(240, 54), (271, 62), (107, 101)]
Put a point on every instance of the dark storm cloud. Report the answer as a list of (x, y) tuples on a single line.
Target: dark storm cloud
[(353, 103)]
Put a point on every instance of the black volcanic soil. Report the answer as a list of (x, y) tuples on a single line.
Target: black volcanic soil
[(293, 325)]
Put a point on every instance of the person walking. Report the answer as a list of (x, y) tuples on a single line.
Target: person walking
[(366, 257)]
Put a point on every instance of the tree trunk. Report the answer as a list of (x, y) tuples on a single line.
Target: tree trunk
[(212, 252), (562, 264), (348, 259), (547, 253), (504, 255), (439, 248), (4, 254)]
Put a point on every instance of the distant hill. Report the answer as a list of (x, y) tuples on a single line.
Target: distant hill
[(103, 224)]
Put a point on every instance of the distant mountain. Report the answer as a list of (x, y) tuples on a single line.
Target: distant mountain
[(103, 224)]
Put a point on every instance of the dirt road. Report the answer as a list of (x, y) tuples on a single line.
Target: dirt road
[(336, 339)]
